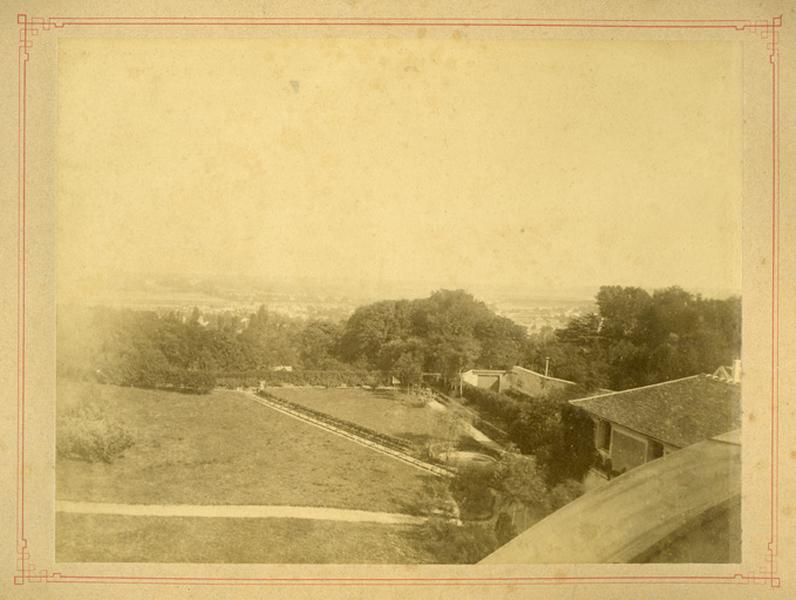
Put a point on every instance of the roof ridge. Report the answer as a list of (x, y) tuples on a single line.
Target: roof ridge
[(643, 387), (537, 373)]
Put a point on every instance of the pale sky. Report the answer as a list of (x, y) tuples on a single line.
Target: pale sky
[(450, 161)]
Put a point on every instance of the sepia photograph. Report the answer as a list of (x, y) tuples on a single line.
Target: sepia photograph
[(409, 299)]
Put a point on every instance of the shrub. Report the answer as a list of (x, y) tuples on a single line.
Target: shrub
[(87, 433), (417, 397), (497, 406), (450, 543), (519, 477), (564, 493), (560, 435), (471, 490), (537, 425), (573, 452), (505, 529)]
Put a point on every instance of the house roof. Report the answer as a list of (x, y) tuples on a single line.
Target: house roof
[(486, 371), (540, 375), (679, 412)]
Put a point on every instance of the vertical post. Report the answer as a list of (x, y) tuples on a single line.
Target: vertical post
[(736, 371), (546, 365)]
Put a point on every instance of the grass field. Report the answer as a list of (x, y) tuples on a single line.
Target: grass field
[(111, 538), (223, 448), (385, 411)]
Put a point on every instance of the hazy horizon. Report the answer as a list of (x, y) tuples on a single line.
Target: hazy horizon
[(437, 162), (355, 290)]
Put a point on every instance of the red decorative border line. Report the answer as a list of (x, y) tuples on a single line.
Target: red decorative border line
[(29, 27)]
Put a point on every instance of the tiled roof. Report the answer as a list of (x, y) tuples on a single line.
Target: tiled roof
[(680, 412)]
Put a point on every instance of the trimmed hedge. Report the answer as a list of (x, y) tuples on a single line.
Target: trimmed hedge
[(559, 434), (171, 378), (299, 377), (499, 407), (201, 382), (365, 432)]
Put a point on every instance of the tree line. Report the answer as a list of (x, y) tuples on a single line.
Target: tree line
[(633, 338), (149, 349), (636, 338)]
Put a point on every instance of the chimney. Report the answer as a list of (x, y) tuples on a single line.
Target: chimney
[(736, 371)]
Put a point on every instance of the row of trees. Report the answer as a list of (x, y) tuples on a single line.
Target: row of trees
[(147, 349), (443, 333), (636, 338)]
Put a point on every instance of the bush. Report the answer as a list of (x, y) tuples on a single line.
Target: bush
[(560, 435), (417, 397), (87, 433), (573, 452), (450, 543), (471, 488), (520, 479), (505, 529), (497, 406), (564, 493)]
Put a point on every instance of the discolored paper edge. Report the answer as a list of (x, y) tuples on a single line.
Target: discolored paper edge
[(27, 566)]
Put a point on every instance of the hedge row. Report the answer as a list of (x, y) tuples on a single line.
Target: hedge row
[(559, 434), (171, 378), (204, 381), (299, 377), (498, 406), (369, 434)]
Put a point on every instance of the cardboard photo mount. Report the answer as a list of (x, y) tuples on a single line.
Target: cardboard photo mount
[(29, 227)]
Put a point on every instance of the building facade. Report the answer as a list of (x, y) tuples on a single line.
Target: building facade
[(517, 379), (636, 426)]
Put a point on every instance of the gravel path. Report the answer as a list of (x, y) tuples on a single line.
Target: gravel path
[(238, 512)]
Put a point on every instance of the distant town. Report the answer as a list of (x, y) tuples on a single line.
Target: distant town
[(533, 309)]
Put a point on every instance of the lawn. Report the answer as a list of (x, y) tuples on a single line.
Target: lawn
[(386, 411), (224, 448), (113, 538)]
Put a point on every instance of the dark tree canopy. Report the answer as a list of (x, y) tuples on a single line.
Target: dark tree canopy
[(636, 338), (446, 332)]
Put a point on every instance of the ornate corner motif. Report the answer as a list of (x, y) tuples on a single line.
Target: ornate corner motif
[(766, 30), (773, 56), (22, 565), (30, 27), (26, 572)]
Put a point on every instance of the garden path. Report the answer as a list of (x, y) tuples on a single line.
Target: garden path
[(238, 511)]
